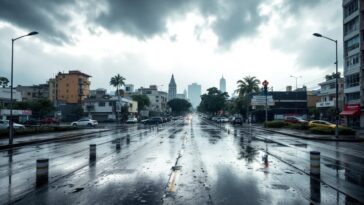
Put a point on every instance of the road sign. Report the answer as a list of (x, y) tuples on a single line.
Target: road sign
[(260, 100)]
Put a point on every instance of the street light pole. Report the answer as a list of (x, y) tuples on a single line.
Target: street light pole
[(11, 127), (296, 77), (337, 85)]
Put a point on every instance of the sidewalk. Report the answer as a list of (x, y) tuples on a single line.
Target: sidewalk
[(46, 137), (303, 135)]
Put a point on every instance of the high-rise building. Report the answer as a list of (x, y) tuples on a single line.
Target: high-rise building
[(71, 87), (222, 84), (194, 94), (172, 89), (353, 21)]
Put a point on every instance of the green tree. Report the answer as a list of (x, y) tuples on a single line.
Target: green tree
[(213, 101), (40, 108), (143, 101), (246, 86), (179, 106), (4, 82), (117, 81)]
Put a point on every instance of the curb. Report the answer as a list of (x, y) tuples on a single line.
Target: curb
[(3, 147), (315, 139)]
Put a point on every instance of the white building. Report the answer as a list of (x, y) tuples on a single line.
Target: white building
[(103, 107), (5, 96), (158, 99), (353, 12)]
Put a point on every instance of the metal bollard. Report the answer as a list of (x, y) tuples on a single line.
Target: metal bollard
[(42, 172), (315, 163), (92, 152), (118, 147), (128, 139)]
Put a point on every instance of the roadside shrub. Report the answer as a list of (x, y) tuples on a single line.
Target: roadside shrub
[(331, 131), (346, 131), (322, 130), (300, 126), (275, 124)]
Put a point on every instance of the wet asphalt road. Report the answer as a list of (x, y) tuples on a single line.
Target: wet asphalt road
[(193, 162)]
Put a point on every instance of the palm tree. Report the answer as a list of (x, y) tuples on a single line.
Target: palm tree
[(117, 81), (247, 86)]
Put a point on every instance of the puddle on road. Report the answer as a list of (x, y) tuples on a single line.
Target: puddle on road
[(280, 186), (300, 145)]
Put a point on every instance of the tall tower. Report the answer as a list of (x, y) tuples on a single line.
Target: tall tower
[(222, 84), (194, 94), (172, 89)]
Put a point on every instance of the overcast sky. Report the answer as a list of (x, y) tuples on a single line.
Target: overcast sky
[(148, 40)]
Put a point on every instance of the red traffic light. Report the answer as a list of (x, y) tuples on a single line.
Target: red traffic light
[(265, 83)]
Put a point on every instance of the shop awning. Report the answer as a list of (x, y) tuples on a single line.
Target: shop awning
[(351, 110)]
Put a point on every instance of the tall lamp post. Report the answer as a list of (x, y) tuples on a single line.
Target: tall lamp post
[(11, 133), (296, 77), (337, 85)]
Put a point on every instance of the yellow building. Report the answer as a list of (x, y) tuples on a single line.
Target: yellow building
[(71, 87)]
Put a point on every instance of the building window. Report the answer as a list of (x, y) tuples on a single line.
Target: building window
[(353, 96), (351, 44), (352, 25), (350, 8), (157, 100), (101, 104), (352, 80), (110, 103), (352, 60)]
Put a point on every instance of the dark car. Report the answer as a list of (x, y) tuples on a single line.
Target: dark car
[(154, 121), (294, 120), (49, 121), (30, 122), (237, 121)]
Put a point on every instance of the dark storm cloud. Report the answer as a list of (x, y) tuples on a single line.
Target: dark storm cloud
[(144, 19), (311, 51), (234, 18), (47, 17)]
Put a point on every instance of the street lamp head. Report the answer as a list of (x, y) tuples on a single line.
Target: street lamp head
[(32, 33), (317, 35)]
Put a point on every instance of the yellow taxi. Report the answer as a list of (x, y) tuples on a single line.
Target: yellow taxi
[(321, 123)]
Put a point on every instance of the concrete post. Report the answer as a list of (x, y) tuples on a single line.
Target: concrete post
[(42, 171), (315, 163), (92, 152)]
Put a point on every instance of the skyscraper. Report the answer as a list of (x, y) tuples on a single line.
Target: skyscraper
[(172, 89), (222, 84), (194, 94)]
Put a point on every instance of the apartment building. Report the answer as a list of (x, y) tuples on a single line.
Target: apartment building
[(33, 92), (72, 87), (158, 99), (353, 21)]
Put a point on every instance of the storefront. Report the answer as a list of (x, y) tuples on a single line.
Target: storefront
[(18, 115), (351, 114)]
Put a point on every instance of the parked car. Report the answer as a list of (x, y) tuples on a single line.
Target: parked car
[(237, 120), (49, 120), (4, 124), (85, 122), (154, 121), (321, 123), (132, 120), (222, 119), (31, 122), (295, 120)]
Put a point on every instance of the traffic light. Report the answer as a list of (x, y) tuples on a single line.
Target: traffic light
[(265, 87)]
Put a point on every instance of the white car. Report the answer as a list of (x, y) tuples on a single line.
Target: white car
[(132, 120), (85, 122), (4, 124)]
